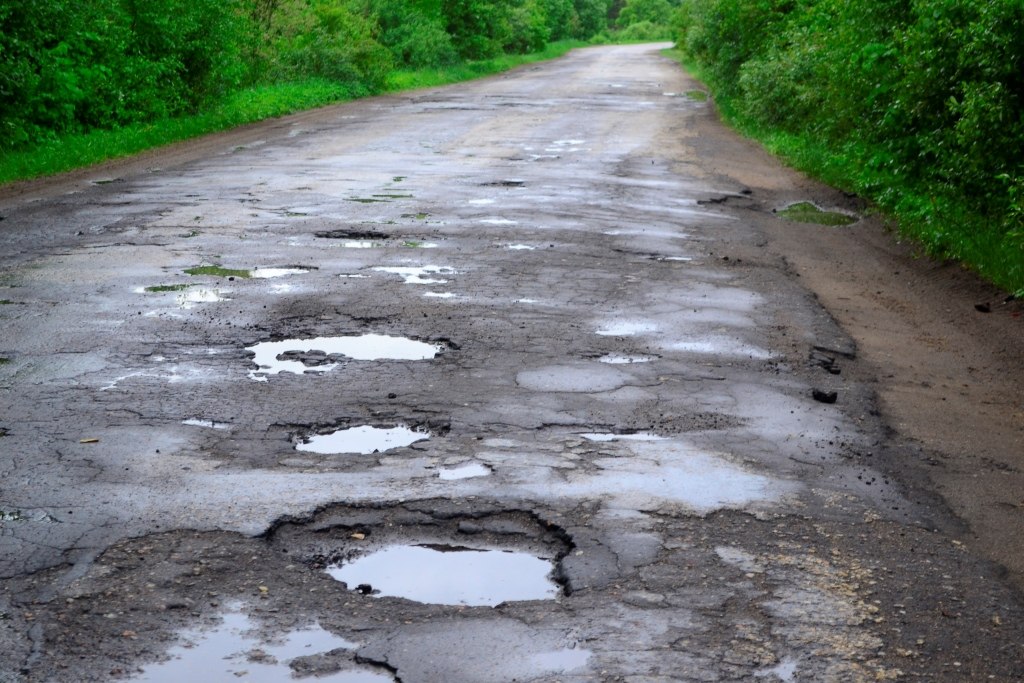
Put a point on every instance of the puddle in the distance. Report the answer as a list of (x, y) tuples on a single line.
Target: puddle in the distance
[(362, 244), (473, 469), (209, 424), (362, 440), (419, 275), (497, 221), (233, 651), (521, 247), (443, 575), (626, 328), (616, 359), (277, 272), (440, 295), (363, 347), (720, 346)]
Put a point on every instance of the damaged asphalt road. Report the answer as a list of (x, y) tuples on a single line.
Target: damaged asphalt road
[(525, 314)]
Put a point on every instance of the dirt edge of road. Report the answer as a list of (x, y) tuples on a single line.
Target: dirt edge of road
[(945, 347)]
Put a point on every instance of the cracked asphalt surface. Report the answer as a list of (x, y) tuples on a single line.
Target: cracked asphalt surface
[(631, 371)]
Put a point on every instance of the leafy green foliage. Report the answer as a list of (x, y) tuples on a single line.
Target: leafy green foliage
[(69, 67), (918, 104)]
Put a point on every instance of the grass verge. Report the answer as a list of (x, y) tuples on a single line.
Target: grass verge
[(943, 226), (245, 106)]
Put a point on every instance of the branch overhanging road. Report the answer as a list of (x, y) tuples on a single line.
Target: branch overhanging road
[(612, 375)]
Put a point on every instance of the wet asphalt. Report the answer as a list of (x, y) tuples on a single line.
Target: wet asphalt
[(524, 314)]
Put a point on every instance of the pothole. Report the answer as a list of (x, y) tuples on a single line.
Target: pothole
[(438, 551), (362, 440), (234, 649), (300, 356), (807, 212)]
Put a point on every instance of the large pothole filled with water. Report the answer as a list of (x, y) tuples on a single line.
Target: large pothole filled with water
[(433, 552), (323, 354)]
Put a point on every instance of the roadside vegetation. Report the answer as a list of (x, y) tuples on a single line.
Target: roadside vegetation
[(82, 82), (917, 105)]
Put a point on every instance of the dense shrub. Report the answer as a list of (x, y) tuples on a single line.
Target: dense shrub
[(923, 100), (71, 66)]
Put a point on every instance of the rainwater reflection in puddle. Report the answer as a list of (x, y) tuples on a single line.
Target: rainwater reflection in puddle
[(363, 347), (277, 272), (362, 440), (448, 575), (418, 275), (626, 328), (232, 651), (605, 438), (190, 298), (615, 359), (473, 469)]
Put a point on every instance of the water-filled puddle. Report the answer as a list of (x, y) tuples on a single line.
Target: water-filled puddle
[(617, 359), (209, 424), (520, 247), (440, 295), (362, 244), (190, 298), (474, 469), (449, 575), (269, 361), (419, 275), (277, 272), (497, 221), (362, 440), (233, 651), (806, 212), (723, 346), (638, 436)]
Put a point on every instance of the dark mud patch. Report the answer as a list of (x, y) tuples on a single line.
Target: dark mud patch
[(351, 234)]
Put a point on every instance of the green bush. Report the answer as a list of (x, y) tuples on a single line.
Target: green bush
[(919, 104)]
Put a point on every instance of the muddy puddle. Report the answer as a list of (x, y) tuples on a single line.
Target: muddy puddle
[(450, 575), (807, 212), (274, 357), (234, 650), (362, 440)]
